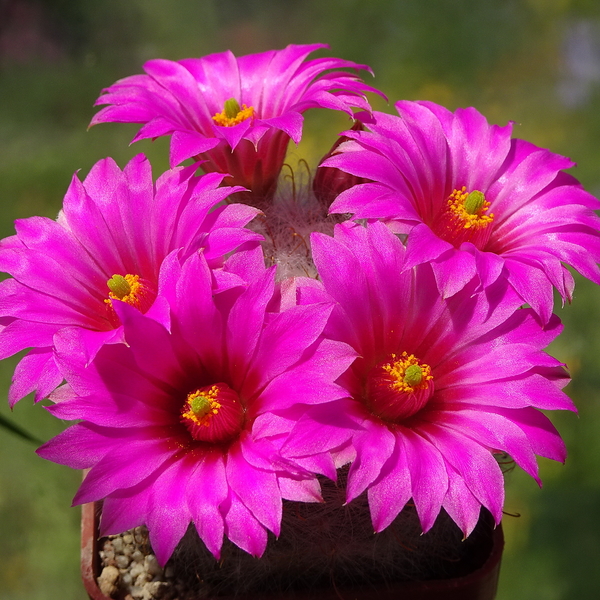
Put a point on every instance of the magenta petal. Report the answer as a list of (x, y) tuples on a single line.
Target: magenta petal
[(245, 323), (391, 491), (453, 272), (542, 435), (125, 466), (424, 246), (168, 512), (300, 490), (475, 464), (531, 390), (429, 479), (336, 422), (19, 334), (313, 381), (206, 333), (290, 123), (117, 411), (462, 506), (257, 489), (286, 337), (206, 491), (373, 448), (375, 200), (36, 371), (493, 431), (243, 529), (65, 448), (532, 285), (123, 511)]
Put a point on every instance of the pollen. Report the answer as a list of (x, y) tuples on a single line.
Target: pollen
[(398, 387), (469, 209), (213, 413), (202, 406), (130, 289), (406, 373), (232, 114)]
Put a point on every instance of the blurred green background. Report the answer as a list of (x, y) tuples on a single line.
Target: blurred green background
[(535, 62)]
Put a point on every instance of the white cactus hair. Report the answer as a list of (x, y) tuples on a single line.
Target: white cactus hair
[(289, 220)]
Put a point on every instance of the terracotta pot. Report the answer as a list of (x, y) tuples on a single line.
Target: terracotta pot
[(481, 584)]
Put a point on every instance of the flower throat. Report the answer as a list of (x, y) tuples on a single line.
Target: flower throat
[(463, 218)]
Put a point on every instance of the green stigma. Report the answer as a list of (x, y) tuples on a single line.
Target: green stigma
[(200, 406), (474, 202), (413, 375), (119, 286), (232, 108)]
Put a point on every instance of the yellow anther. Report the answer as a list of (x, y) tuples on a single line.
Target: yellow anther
[(202, 406), (129, 289), (469, 208), (232, 114), (406, 373)]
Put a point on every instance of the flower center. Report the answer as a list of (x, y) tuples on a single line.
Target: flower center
[(398, 387), (213, 413), (464, 218), (232, 114), (130, 289)]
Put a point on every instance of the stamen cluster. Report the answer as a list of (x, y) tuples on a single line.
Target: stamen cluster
[(232, 114), (464, 219), (398, 387), (406, 373), (469, 208), (213, 413), (131, 290)]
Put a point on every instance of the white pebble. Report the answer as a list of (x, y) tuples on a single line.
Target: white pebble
[(136, 592), (108, 556), (153, 590), (142, 579), (152, 565), (107, 582), (137, 556), (136, 570), (122, 561)]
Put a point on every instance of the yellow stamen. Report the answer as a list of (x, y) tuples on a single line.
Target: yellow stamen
[(128, 289), (406, 373), (469, 208), (232, 114), (203, 406)]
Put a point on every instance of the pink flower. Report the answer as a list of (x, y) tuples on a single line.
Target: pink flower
[(440, 386), (474, 202), (177, 426), (236, 113), (109, 241)]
